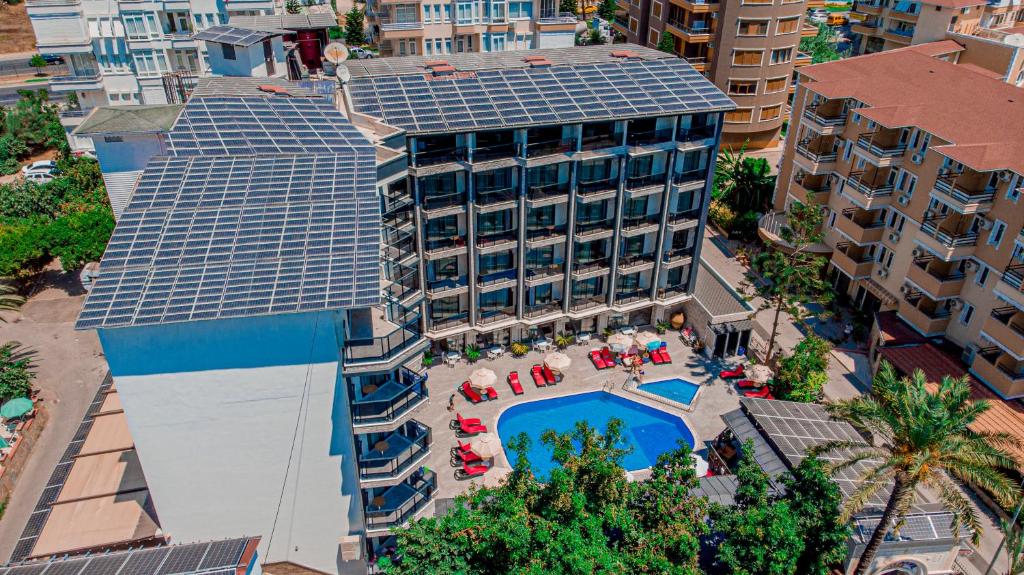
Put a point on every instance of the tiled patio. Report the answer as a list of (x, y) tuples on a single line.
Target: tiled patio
[(716, 397)]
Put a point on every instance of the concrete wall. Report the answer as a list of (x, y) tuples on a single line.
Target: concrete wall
[(248, 62), (242, 427)]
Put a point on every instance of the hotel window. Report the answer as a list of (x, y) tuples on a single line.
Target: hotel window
[(967, 314), (752, 28), (742, 87), (781, 55), (769, 113), (982, 275), (787, 25), (633, 25), (772, 85), (746, 57), (426, 15), (739, 116), (656, 10), (652, 37), (995, 237), (520, 10)]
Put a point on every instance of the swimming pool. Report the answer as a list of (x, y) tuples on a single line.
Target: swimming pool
[(675, 389), (649, 431)]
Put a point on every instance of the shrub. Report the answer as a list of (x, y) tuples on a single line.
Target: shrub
[(564, 340), (15, 371), (428, 358), (80, 237), (721, 215), (519, 349), (802, 375), (472, 353), (744, 227), (662, 326)]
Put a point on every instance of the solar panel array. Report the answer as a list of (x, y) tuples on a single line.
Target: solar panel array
[(268, 206), (794, 428), (915, 527), (233, 35), (206, 558), (509, 98)]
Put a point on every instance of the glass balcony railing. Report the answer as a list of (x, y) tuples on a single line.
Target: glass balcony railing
[(435, 156), (537, 233), (496, 152), (385, 347), (597, 186), (580, 303), (542, 309), (496, 277), (485, 240), (545, 191), (444, 243), (389, 401), (445, 284), (392, 455), (689, 177), (496, 195), (494, 315), (600, 141), (449, 321), (439, 202), (645, 181), (550, 147), (696, 133), (397, 504), (649, 137)]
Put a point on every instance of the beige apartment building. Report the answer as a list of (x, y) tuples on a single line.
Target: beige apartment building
[(748, 48), (918, 163)]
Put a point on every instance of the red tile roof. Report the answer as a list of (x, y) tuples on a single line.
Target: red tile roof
[(1002, 416)]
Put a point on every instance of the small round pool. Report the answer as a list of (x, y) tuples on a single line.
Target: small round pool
[(649, 431)]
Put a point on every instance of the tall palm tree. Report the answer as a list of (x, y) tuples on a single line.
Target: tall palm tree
[(921, 439), (9, 298)]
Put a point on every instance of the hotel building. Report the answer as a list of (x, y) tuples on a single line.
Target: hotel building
[(917, 163), (747, 48), (285, 258)]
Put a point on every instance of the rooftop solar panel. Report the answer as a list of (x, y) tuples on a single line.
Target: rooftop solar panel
[(235, 36)]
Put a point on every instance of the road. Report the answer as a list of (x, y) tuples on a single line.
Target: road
[(15, 68), (9, 94)]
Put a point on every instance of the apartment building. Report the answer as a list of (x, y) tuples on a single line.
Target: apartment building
[(435, 28), (288, 252), (747, 48), (917, 162), (119, 53)]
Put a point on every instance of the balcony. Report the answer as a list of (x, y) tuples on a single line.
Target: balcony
[(902, 36), (395, 454), (883, 148), (453, 321), (495, 315), (585, 269), (595, 230), (873, 8), (548, 19), (588, 302), (496, 199), (869, 191), (392, 28), (400, 282), (695, 32), (542, 310), (640, 225), (814, 190), (377, 338), (550, 147), (670, 292), (677, 257), (435, 206), (690, 179), (398, 504), (828, 117), (496, 241), (1011, 284), (697, 6), (868, 27), (687, 219), (444, 247), (601, 141), (903, 15), (774, 227), (861, 226), (595, 190), (638, 186), (547, 194), (447, 287), (1005, 326), (540, 275), (540, 236), (84, 81), (999, 371), (496, 152), (963, 193), (852, 260), (945, 239), (928, 316), (432, 157), (495, 280), (648, 137), (820, 152), (388, 402), (936, 278), (633, 263), (696, 134)]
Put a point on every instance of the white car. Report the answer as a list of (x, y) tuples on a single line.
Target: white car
[(38, 177), (47, 167), (360, 53), (818, 16)]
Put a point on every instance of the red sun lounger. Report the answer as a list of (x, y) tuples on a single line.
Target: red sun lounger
[(763, 393), (548, 376), (513, 382), (665, 357), (492, 393), (465, 457), (471, 393), (463, 447), (606, 355), (471, 428), (597, 360), (467, 420), (656, 357), (468, 471), (749, 384), (733, 373), (538, 377)]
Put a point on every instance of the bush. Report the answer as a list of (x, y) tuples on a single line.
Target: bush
[(23, 248), (472, 353), (721, 215), (564, 340), (519, 349), (12, 149), (428, 358), (15, 372), (803, 375), (81, 237), (744, 227)]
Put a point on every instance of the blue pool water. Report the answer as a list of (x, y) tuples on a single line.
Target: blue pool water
[(678, 390), (649, 431)]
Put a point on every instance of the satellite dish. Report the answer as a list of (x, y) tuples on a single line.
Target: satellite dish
[(336, 52), (343, 74), (1014, 40)]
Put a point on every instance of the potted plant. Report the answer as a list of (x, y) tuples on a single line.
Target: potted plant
[(661, 327), (607, 332), (428, 358), (472, 353), (564, 340), (519, 349)]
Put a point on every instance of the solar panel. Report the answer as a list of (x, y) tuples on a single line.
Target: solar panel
[(223, 554), (235, 36)]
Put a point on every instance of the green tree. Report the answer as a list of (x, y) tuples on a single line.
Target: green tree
[(80, 237), (1014, 547), (815, 501), (606, 10), (585, 518), (822, 46), (792, 275), (921, 438), (293, 6), (802, 375), (568, 6), (744, 183), (35, 121), (761, 535), (354, 22), (16, 373), (666, 43), (37, 62), (12, 149)]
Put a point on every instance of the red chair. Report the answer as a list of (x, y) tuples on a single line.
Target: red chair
[(467, 420), (748, 384), (763, 393), (665, 357), (464, 457), (492, 393), (595, 358), (606, 355), (548, 376), (513, 382), (463, 447), (467, 471), (733, 373), (538, 377), (471, 428), (471, 393), (656, 358)]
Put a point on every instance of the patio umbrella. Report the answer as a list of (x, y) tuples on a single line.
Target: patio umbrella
[(381, 446), (378, 501), (16, 408), (557, 361), (482, 378), (759, 373), (486, 445), (700, 465), (619, 342), (648, 340)]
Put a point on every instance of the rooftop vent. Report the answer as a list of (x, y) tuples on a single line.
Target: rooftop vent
[(272, 89), (624, 54), (536, 58), (433, 63), (541, 63)]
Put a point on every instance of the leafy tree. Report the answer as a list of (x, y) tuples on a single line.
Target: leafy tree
[(744, 183), (606, 10), (568, 6), (803, 374), (23, 248), (293, 6), (666, 43), (37, 62), (16, 373), (354, 21), (922, 439), (595, 37), (815, 501), (822, 46), (585, 518), (12, 149), (793, 276), (81, 237), (35, 121), (761, 535), (9, 298)]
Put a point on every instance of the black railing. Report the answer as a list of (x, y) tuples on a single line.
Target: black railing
[(539, 272), (537, 310), (631, 260), (495, 195), (676, 254), (637, 222), (632, 296), (689, 176), (495, 238), (389, 401), (496, 277), (1014, 275), (446, 201), (696, 133), (599, 141), (445, 243), (544, 232), (496, 152), (394, 454), (443, 285), (431, 157), (399, 503), (494, 315), (597, 186), (646, 181), (587, 302), (383, 348), (649, 137), (440, 323), (549, 147), (591, 265), (684, 216), (602, 225), (544, 191)]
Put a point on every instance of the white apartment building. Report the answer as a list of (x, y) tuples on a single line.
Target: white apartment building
[(122, 52)]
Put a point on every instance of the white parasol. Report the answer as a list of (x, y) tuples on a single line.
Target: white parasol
[(700, 465), (486, 445), (759, 373), (482, 378), (557, 361), (619, 342)]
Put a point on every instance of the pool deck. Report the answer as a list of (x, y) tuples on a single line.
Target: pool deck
[(715, 398)]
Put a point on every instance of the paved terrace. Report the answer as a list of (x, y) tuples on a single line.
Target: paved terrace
[(716, 397)]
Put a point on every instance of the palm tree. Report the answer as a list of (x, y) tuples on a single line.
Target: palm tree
[(921, 439), (9, 298), (1014, 547), (746, 184)]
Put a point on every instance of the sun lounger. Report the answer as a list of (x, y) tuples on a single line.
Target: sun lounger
[(656, 358), (471, 428), (763, 393), (492, 393), (467, 471), (467, 420), (733, 373), (513, 382), (597, 360), (665, 357), (749, 384), (463, 447), (464, 457), (548, 376), (538, 377), (606, 355), (471, 393)]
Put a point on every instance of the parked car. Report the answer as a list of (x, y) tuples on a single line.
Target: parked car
[(47, 167), (53, 59), (38, 177), (818, 16), (360, 53)]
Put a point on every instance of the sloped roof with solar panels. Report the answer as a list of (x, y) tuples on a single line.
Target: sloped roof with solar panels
[(505, 90), (267, 205), (236, 36)]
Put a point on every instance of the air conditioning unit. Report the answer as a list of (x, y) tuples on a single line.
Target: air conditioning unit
[(917, 158), (904, 289), (968, 355), (970, 265), (903, 200), (956, 303), (985, 223), (918, 252), (1005, 175), (894, 237), (883, 273)]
